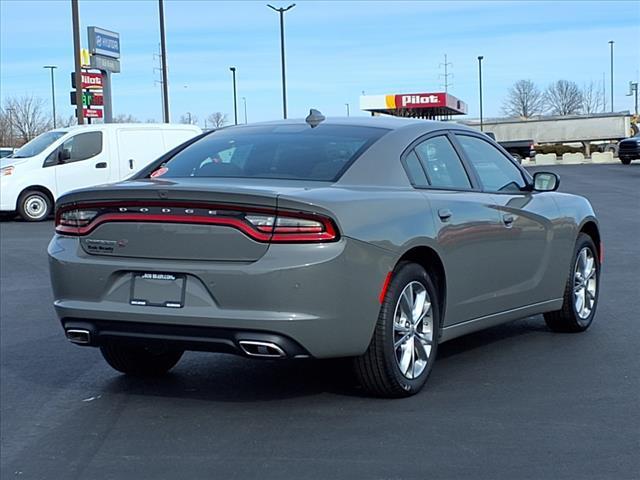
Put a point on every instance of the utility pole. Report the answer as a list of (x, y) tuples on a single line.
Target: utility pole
[(611, 42), (235, 98), (244, 101), (75, 18), (446, 74), (284, 76), (633, 89), (53, 93), (604, 93), (163, 55), (347, 105), (480, 87)]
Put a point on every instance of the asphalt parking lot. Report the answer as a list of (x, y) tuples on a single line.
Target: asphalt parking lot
[(515, 401)]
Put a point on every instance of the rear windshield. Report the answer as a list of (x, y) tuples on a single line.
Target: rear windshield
[(296, 152)]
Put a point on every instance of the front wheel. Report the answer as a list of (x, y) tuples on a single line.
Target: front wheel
[(34, 206), (626, 161), (581, 291), (140, 361), (405, 340)]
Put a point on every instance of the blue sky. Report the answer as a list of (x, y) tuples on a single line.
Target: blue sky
[(335, 50)]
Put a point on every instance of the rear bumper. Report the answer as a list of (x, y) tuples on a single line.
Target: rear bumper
[(322, 298), (205, 339)]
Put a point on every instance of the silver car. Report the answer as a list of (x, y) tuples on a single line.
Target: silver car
[(371, 238)]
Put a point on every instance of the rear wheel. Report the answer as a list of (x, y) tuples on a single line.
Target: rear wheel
[(626, 161), (34, 206), (140, 361), (581, 291), (405, 341)]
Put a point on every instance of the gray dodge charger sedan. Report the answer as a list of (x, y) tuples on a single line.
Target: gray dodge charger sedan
[(371, 238)]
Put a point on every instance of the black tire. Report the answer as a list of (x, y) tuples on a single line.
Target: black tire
[(377, 369), (626, 161), (612, 148), (566, 319), (34, 206), (140, 361)]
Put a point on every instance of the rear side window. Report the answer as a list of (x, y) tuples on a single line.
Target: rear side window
[(83, 146), (415, 170), (442, 164), (296, 152)]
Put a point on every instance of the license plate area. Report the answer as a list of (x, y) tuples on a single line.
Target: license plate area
[(155, 289)]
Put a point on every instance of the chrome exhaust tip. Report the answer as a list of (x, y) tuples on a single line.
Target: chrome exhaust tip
[(261, 349), (79, 336)]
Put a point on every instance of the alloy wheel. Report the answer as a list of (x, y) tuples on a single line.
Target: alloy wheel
[(413, 330), (585, 283)]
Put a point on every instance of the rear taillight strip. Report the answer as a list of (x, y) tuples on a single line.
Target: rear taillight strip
[(324, 231)]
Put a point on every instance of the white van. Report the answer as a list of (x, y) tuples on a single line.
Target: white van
[(66, 159)]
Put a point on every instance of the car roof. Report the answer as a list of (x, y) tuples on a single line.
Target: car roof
[(144, 126), (379, 121)]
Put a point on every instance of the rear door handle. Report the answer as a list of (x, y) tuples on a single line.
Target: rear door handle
[(508, 219), (101, 165), (444, 214)]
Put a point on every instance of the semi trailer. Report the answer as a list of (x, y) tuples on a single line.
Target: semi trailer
[(603, 129)]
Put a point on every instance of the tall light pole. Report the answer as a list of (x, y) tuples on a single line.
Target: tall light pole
[(244, 101), (633, 89), (347, 105), (235, 99), (611, 42), (75, 19), (284, 76), (480, 88), (163, 60), (53, 92)]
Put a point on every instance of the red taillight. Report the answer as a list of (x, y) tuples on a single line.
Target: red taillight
[(260, 224)]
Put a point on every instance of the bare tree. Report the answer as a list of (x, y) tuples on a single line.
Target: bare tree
[(69, 121), (6, 134), (189, 119), (124, 118), (563, 97), (26, 117), (523, 100), (217, 119), (592, 96)]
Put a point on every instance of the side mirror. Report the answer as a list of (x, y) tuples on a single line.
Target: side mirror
[(545, 182), (63, 155)]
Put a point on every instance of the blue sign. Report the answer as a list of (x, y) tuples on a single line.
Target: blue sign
[(104, 42)]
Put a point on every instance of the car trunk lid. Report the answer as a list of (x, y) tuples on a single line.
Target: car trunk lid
[(181, 219)]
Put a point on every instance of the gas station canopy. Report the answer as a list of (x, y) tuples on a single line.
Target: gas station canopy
[(437, 105)]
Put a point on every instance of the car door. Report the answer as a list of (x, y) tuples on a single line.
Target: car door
[(137, 148), (467, 225), (81, 161), (524, 248)]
